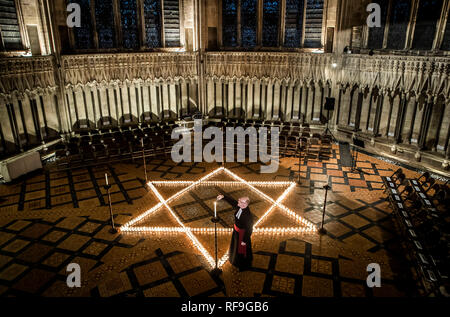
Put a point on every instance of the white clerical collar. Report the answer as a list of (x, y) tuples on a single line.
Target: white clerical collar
[(238, 215)]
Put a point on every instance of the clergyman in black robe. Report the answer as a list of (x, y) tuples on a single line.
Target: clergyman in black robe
[(240, 252)]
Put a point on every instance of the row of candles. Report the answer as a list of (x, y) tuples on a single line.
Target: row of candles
[(279, 230), (221, 183)]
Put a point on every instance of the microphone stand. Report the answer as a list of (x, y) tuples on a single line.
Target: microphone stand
[(322, 230), (107, 186)]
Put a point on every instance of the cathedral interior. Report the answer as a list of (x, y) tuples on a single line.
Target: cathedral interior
[(357, 101)]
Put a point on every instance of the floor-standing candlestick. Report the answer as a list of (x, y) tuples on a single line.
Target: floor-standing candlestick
[(113, 230), (145, 163), (223, 150), (299, 159), (216, 271), (322, 229)]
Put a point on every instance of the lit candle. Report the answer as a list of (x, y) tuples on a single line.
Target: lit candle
[(215, 209), (106, 177)]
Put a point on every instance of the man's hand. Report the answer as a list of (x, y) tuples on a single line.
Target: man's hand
[(243, 244), (219, 197)]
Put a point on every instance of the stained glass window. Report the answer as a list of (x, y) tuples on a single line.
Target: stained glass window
[(446, 40), (398, 24), (128, 16), (104, 19), (271, 12), (376, 35), (9, 26), (294, 23), (229, 23), (152, 13), (83, 34), (249, 12), (313, 24), (426, 22), (172, 23)]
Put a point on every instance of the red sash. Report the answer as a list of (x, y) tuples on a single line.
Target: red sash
[(242, 249)]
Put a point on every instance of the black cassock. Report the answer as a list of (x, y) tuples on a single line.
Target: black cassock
[(241, 256)]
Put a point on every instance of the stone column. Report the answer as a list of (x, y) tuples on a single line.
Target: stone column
[(5, 123), (396, 112), (218, 98), (87, 99), (366, 104), (263, 96), (354, 108), (172, 97), (401, 116), (153, 87), (68, 105), (337, 111), (276, 100), (42, 114), (28, 117), (435, 120), (113, 106), (385, 113), (283, 101), (317, 104), (248, 95), (124, 102), (117, 101), (79, 104), (53, 121), (377, 112), (310, 101), (238, 97), (444, 133), (210, 101), (61, 101), (133, 101), (425, 122), (344, 110), (226, 100), (299, 94), (101, 104), (137, 100), (289, 101), (410, 113), (269, 108), (17, 118), (420, 109), (256, 98), (145, 99), (184, 96)]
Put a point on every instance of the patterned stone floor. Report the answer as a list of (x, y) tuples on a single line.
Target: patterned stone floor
[(54, 218)]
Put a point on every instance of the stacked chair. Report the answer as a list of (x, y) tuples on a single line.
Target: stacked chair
[(421, 212), (112, 144), (116, 144)]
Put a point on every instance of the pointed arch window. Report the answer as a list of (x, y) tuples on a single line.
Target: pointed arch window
[(127, 24), (426, 24), (271, 18), (129, 21), (229, 23), (409, 24), (252, 24), (294, 23)]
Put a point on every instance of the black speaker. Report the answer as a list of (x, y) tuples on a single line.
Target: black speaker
[(359, 143), (329, 103)]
